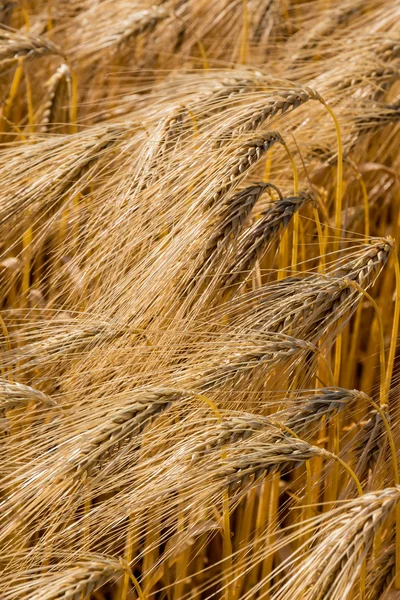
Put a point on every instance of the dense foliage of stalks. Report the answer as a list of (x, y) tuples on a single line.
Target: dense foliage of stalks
[(199, 299)]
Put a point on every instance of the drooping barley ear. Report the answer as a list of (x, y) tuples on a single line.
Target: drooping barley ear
[(53, 347), (233, 214), (305, 307), (345, 537), (175, 127), (381, 115), (14, 395), (15, 45), (380, 73), (58, 92), (325, 404), (138, 23), (359, 535), (368, 265), (327, 26), (244, 158), (369, 443), (264, 22), (255, 241), (117, 34), (278, 455), (84, 155), (388, 50), (95, 150), (230, 219), (287, 100), (231, 430), (257, 354), (329, 300), (128, 422), (214, 102), (79, 581)]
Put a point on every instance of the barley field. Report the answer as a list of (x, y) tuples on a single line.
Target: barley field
[(199, 299)]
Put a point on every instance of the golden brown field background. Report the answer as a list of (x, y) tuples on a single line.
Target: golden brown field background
[(200, 299)]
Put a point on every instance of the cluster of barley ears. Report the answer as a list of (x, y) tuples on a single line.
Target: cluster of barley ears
[(199, 299)]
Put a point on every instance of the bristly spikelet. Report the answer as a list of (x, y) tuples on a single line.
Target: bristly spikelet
[(270, 108), (57, 98), (232, 216), (267, 351), (78, 581), (138, 23), (13, 395), (254, 241), (325, 404), (17, 45), (125, 424), (321, 301), (231, 430), (381, 575), (281, 453), (334, 562), (245, 157), (369, 443)]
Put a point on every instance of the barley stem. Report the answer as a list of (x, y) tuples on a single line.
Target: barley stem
[(339, 180), (245, 33)]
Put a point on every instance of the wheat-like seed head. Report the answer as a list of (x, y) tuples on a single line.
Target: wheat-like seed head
[(233, 215), (256, 239), (270, 108), (326, 403), (14, 395), (245, 157), (279, 454), (344, 539), (318, 306), (16, 45), (381, 575), (138, 23), (61, 77), (263, 352), (79, 581), (380, 73), (126, 423), (231, 430)]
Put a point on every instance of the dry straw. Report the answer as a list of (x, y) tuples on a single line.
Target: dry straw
[(199, 378)]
